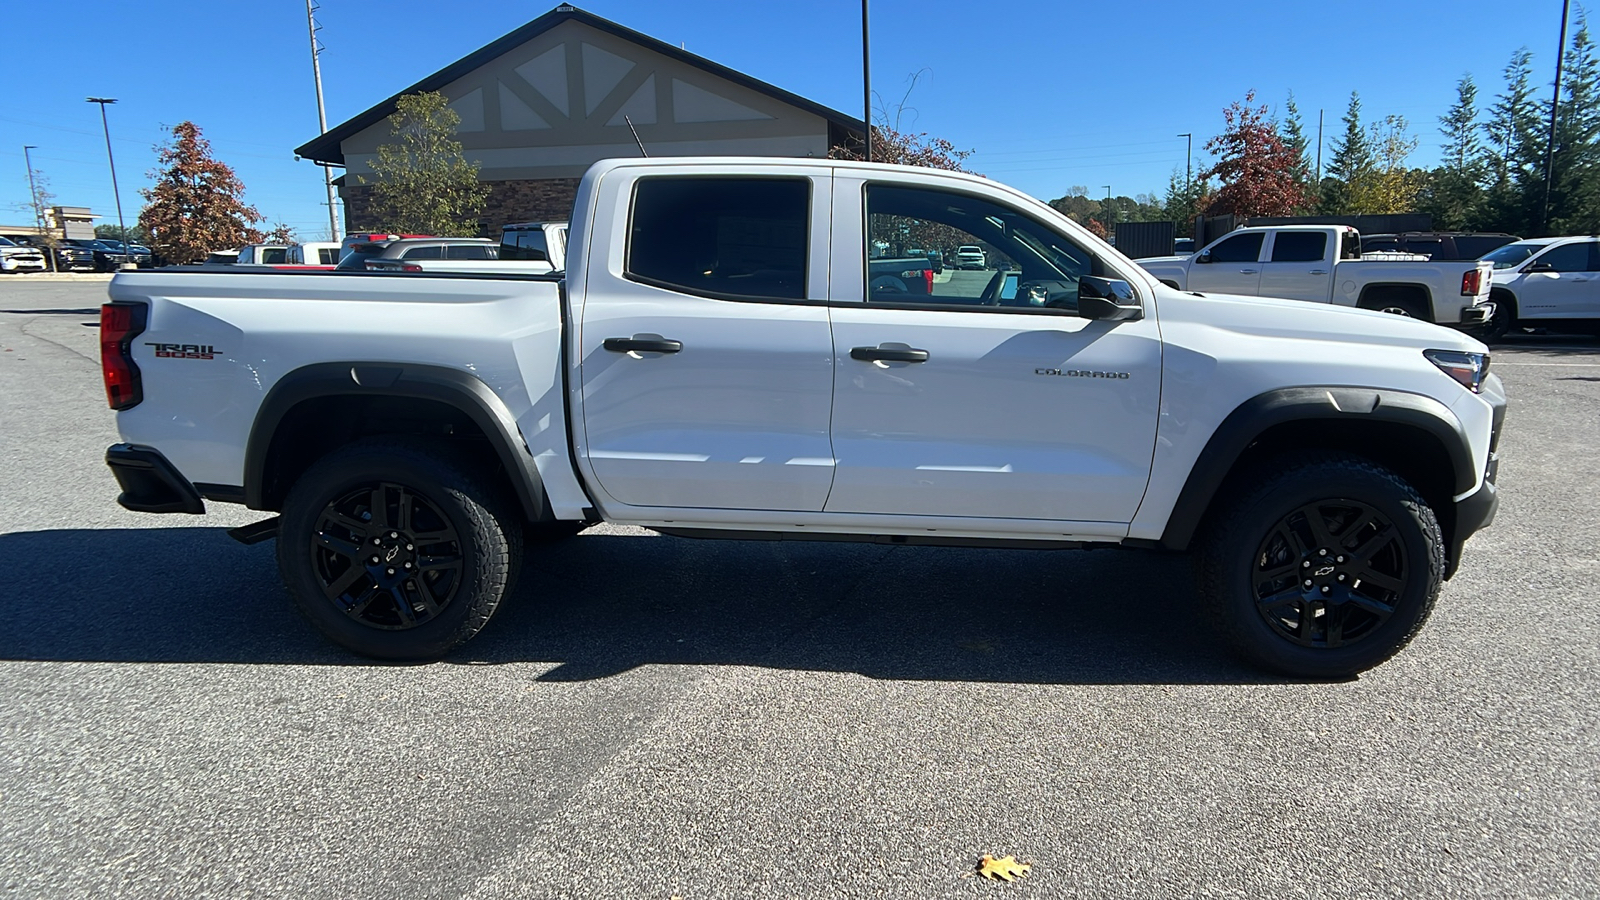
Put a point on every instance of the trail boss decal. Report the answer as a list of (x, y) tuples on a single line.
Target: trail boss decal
[(1080, 373), (183, 351)]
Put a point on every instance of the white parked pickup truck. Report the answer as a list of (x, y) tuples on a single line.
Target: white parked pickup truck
[(1323, 264), (715, 364)]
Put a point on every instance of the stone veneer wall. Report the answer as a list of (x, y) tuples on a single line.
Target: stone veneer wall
[(538, 200)]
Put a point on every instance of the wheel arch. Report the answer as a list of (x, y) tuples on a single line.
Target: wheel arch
[(1415, 436), (317, 408), (1373, 295)]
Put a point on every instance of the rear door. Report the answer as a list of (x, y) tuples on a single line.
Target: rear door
[(1232, 266), (706, 364), (1299, 266)]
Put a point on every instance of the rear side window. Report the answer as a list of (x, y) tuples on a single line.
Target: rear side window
[(274, 255), (1299, 246), (725, 237), (1428, 248), (1240, 248), (524, 245), (469, 251), (329, 255), (435, 252)]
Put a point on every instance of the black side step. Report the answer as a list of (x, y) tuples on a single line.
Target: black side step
[(265, 530)]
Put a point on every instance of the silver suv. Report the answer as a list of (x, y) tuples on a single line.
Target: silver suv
[(424, 255)]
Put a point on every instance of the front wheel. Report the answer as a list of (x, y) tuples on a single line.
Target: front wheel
[(393, 550), (1503, 320), (1324, 569)]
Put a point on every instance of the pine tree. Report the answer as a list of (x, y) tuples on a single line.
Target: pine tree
[(1351, 166), (1453, 194), (195, 205), (424, 185), (1294, 136), (1575, 178), (1511, 136)]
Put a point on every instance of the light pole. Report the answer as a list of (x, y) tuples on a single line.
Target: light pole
[(126, 255), (1555, 102), (866, 82), (1188, 162), (322, 117)]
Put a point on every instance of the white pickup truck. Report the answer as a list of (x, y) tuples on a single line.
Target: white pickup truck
[(714, 363), (1323, 264)]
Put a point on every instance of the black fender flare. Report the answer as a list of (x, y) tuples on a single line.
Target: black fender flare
[(453, 387), (1255, 416)]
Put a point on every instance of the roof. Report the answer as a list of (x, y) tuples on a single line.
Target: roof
[(326, 147)]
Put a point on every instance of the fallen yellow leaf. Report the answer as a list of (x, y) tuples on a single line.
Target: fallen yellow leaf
[(1005, 868)]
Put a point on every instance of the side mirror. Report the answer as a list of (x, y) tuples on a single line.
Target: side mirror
[(1107, 299), (1541, 267), (1203, 258)]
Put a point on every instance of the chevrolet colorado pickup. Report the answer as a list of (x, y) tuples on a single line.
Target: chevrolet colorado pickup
[(1324, 264), (714, 363)]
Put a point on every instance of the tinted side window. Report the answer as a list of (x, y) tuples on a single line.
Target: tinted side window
[(1239, 248), (1428, 248), (469, 251), (721, 237), (434, 252), (274, 255), (329, 256), (1299, 246), (1567, 258), (526, 245)]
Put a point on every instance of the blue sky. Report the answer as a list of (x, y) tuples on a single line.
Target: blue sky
[(1049, 94)]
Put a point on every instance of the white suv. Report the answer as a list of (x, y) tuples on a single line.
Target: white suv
[(1552, 282)]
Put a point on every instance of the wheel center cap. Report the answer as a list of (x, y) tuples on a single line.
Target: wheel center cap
[(1325, 570)]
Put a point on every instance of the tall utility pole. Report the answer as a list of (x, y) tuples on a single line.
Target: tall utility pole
[(866, 81), (1319, 148), (33, 190), (322, 117), (1555, 101), (1188, 162), (112, 160)]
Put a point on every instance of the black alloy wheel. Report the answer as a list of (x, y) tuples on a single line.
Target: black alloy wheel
[(387, 557), (1329, 573)]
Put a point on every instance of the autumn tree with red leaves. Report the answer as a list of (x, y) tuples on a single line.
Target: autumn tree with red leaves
[(1258, 170), (195, 206)]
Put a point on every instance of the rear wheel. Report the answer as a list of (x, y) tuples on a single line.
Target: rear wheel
[(1323, 570), (392, 550), (1397, 301)]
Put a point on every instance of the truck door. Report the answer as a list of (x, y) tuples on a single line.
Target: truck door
[(1230, 266), (990, 397), (1299, 266), (705, 354)]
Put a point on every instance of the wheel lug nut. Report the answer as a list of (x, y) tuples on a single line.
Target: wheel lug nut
[(396, 534), (1308, 581), (1326, 589), (1306, 564), (377, 541), (391, 572), (1341, 577), (375, 560), (409, 547), (1322, 552), (408, 565), (1338, 559)]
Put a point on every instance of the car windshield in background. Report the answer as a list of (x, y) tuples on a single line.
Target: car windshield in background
[(7, 242), (358, 254), (1512, 254)]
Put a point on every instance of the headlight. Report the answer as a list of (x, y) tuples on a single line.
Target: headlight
[(1467, 368)]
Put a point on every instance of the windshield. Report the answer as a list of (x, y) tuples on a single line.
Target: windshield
[(6, 242), (1512, 254)]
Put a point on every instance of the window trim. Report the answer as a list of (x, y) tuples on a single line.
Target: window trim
[(866, 301), (810, 228)]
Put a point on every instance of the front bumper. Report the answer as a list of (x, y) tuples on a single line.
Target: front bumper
[(1475, 511), (149, 482)]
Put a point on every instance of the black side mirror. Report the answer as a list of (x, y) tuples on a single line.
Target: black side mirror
[(1541, 267), (1107, 299), (1203, 258)]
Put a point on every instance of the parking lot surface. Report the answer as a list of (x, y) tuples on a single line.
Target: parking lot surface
[(658, 717)]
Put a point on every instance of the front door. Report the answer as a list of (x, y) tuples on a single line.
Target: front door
[(1299, 266), (706, 355), (1233, 266), (1560, 283), (990, 398)]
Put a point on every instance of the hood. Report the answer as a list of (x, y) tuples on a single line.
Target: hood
[(1271, 317)]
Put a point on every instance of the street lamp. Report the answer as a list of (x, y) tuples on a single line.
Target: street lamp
[(1188, 162), (126, 255), (866, 84)]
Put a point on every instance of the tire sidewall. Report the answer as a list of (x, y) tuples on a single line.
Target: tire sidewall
[(1424, 566), (433, 481)]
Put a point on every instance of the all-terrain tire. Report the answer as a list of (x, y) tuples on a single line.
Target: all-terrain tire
[(394, 549), (1323, 568), (1504, 318)]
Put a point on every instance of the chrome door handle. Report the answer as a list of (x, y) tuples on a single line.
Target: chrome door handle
[(1318, 272), (1247, 271), (641, 345)]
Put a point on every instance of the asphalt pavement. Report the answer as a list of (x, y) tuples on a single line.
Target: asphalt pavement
[(653, 717)]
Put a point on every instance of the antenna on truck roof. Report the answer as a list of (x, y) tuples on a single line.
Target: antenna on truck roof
[(636, 137)]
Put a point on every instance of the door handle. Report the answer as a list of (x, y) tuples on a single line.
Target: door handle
[(642, 345), (1247, 271), (1319, 272), (888, 354)]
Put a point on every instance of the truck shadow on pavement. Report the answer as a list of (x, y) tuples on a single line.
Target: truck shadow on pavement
[(601, 604)]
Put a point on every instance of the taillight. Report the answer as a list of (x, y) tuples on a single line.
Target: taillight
[(1471, 282), (928, 274), (120, 323)]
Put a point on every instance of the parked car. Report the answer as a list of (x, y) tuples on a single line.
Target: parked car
[(437, 255), (970, 256), (222, 257), (262, 255), (711, 367), (1546, 282), (1437, 245), (106, 257), (69, 258), (139, 255), (15, 257), (314, 253), (371, 237), (535, 242), (1323, 264)]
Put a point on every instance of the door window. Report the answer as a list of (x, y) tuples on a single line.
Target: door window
[(434, 252), (1566, 258), (274, 255), (1239, 248), (721, 237), (469, 251), (1030, 265), (1299, 246), (524, 245)]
